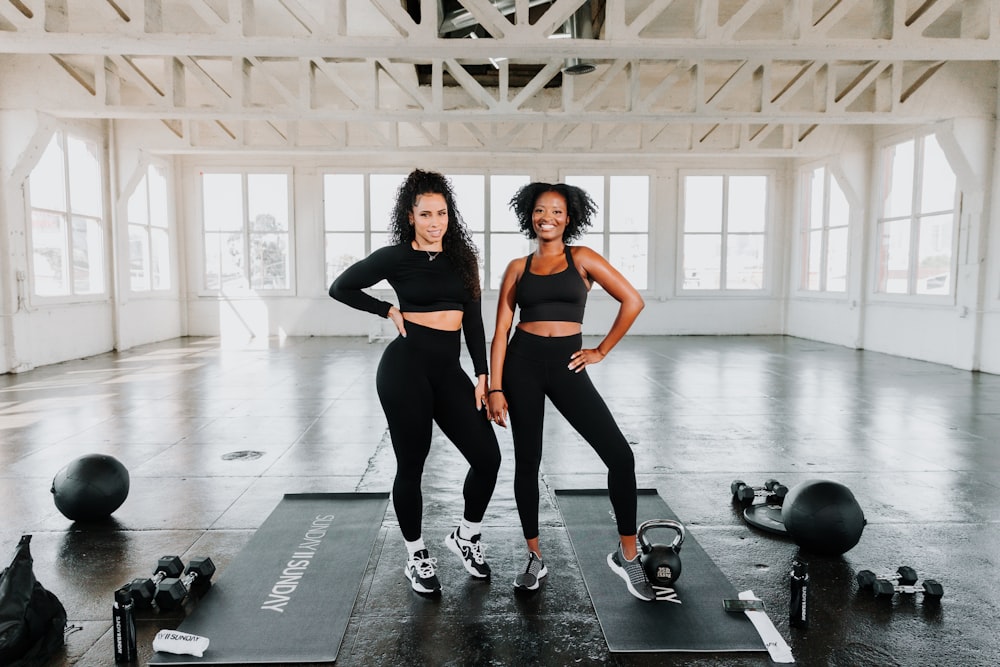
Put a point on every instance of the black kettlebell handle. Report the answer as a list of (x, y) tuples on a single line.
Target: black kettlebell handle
[(660, 523)]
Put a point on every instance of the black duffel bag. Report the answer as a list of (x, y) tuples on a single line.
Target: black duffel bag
[(32, 619)]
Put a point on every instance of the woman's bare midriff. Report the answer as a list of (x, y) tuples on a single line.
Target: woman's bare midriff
[(443, 320), (550, 329)]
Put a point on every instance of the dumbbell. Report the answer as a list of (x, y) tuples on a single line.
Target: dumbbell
[(144, 590), (171, 592), (745, 494), (932, 590), (904, 576)]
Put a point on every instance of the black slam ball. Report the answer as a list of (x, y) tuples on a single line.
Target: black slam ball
[(823, 517), (91, 487)]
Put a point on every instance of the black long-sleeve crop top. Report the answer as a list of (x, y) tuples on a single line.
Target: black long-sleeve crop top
[(421, 285)]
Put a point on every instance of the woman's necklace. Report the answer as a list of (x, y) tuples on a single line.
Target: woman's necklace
[(431, 256)]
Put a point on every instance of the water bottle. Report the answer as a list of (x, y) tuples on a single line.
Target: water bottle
[(798, 608), (123, 624)]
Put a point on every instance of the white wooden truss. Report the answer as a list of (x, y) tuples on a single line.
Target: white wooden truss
[(671, 75)]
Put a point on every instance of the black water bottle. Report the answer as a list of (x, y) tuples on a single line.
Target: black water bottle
[(798, 608), (123, 623)]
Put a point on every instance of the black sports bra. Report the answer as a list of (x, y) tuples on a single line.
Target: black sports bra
[(559, 297)]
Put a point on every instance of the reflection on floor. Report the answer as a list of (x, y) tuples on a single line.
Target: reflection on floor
[(213, 437)]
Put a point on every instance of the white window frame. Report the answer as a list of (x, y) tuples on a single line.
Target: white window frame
[(768, 277), (802, 248), (606, 230), (63, 134), (152, 292), (245, 289), (911, 295)]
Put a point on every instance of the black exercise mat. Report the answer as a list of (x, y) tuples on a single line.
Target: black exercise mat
[(697, 624), (288, 595)]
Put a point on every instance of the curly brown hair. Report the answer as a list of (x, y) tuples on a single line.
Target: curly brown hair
[(580, 208), (456, 243)]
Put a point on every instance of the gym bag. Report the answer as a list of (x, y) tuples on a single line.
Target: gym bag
[(32, 619)]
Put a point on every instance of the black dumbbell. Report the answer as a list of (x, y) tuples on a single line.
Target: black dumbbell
[(932, 590), (773, 491), (171, 592), (904, 575), (144, 590)]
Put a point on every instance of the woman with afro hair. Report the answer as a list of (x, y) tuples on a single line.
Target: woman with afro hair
[(545, 357), (432, 266)]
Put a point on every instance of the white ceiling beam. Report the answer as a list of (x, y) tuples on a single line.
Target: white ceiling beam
[(913, 47)]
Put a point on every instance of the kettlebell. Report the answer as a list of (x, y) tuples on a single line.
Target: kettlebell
[(662, 562)]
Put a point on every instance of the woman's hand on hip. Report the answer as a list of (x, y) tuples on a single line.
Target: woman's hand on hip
[(583, 358), (397, 319)]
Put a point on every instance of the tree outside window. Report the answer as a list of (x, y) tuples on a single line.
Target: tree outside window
[(246, 231)]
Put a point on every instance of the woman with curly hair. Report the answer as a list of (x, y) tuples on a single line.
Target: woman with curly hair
[(545, 358), (432, 266)]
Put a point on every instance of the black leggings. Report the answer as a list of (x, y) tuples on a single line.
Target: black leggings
[(536, 367), (420, 379)]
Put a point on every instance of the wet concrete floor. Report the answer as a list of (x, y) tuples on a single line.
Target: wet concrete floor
[(214, 435)]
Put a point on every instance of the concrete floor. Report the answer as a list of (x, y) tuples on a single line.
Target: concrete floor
[(917, 443)]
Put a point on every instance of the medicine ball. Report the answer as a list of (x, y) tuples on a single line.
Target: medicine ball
[(823, 517), (91, 487)]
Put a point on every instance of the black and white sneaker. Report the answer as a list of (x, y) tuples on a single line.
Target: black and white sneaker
[(531, 578), (472, 552), (420, 571), (633, 574)]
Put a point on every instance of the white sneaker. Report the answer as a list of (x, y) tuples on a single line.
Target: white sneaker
[(420, 571)]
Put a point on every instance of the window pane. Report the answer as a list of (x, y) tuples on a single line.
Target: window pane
[(703, 204), (158, 210), (269, 261), (747, 203), (502, 188), (342, 250), (815, 259), (702, 261), (897, 195), (503, 249), (937, 192), (745, 261), (47, 182), (470, 198), (383, 197), (85, 191), (51, 257), (629, 204), (138, 204), (594, 186), (267, 199), (88, 256), (836, 260), (840, 210), (894, 253), (138, 254), (815, 180), (479, 240), (934, 254), (629, 253), (344, 202), (224, 260), (160, 254), (222, 202)]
